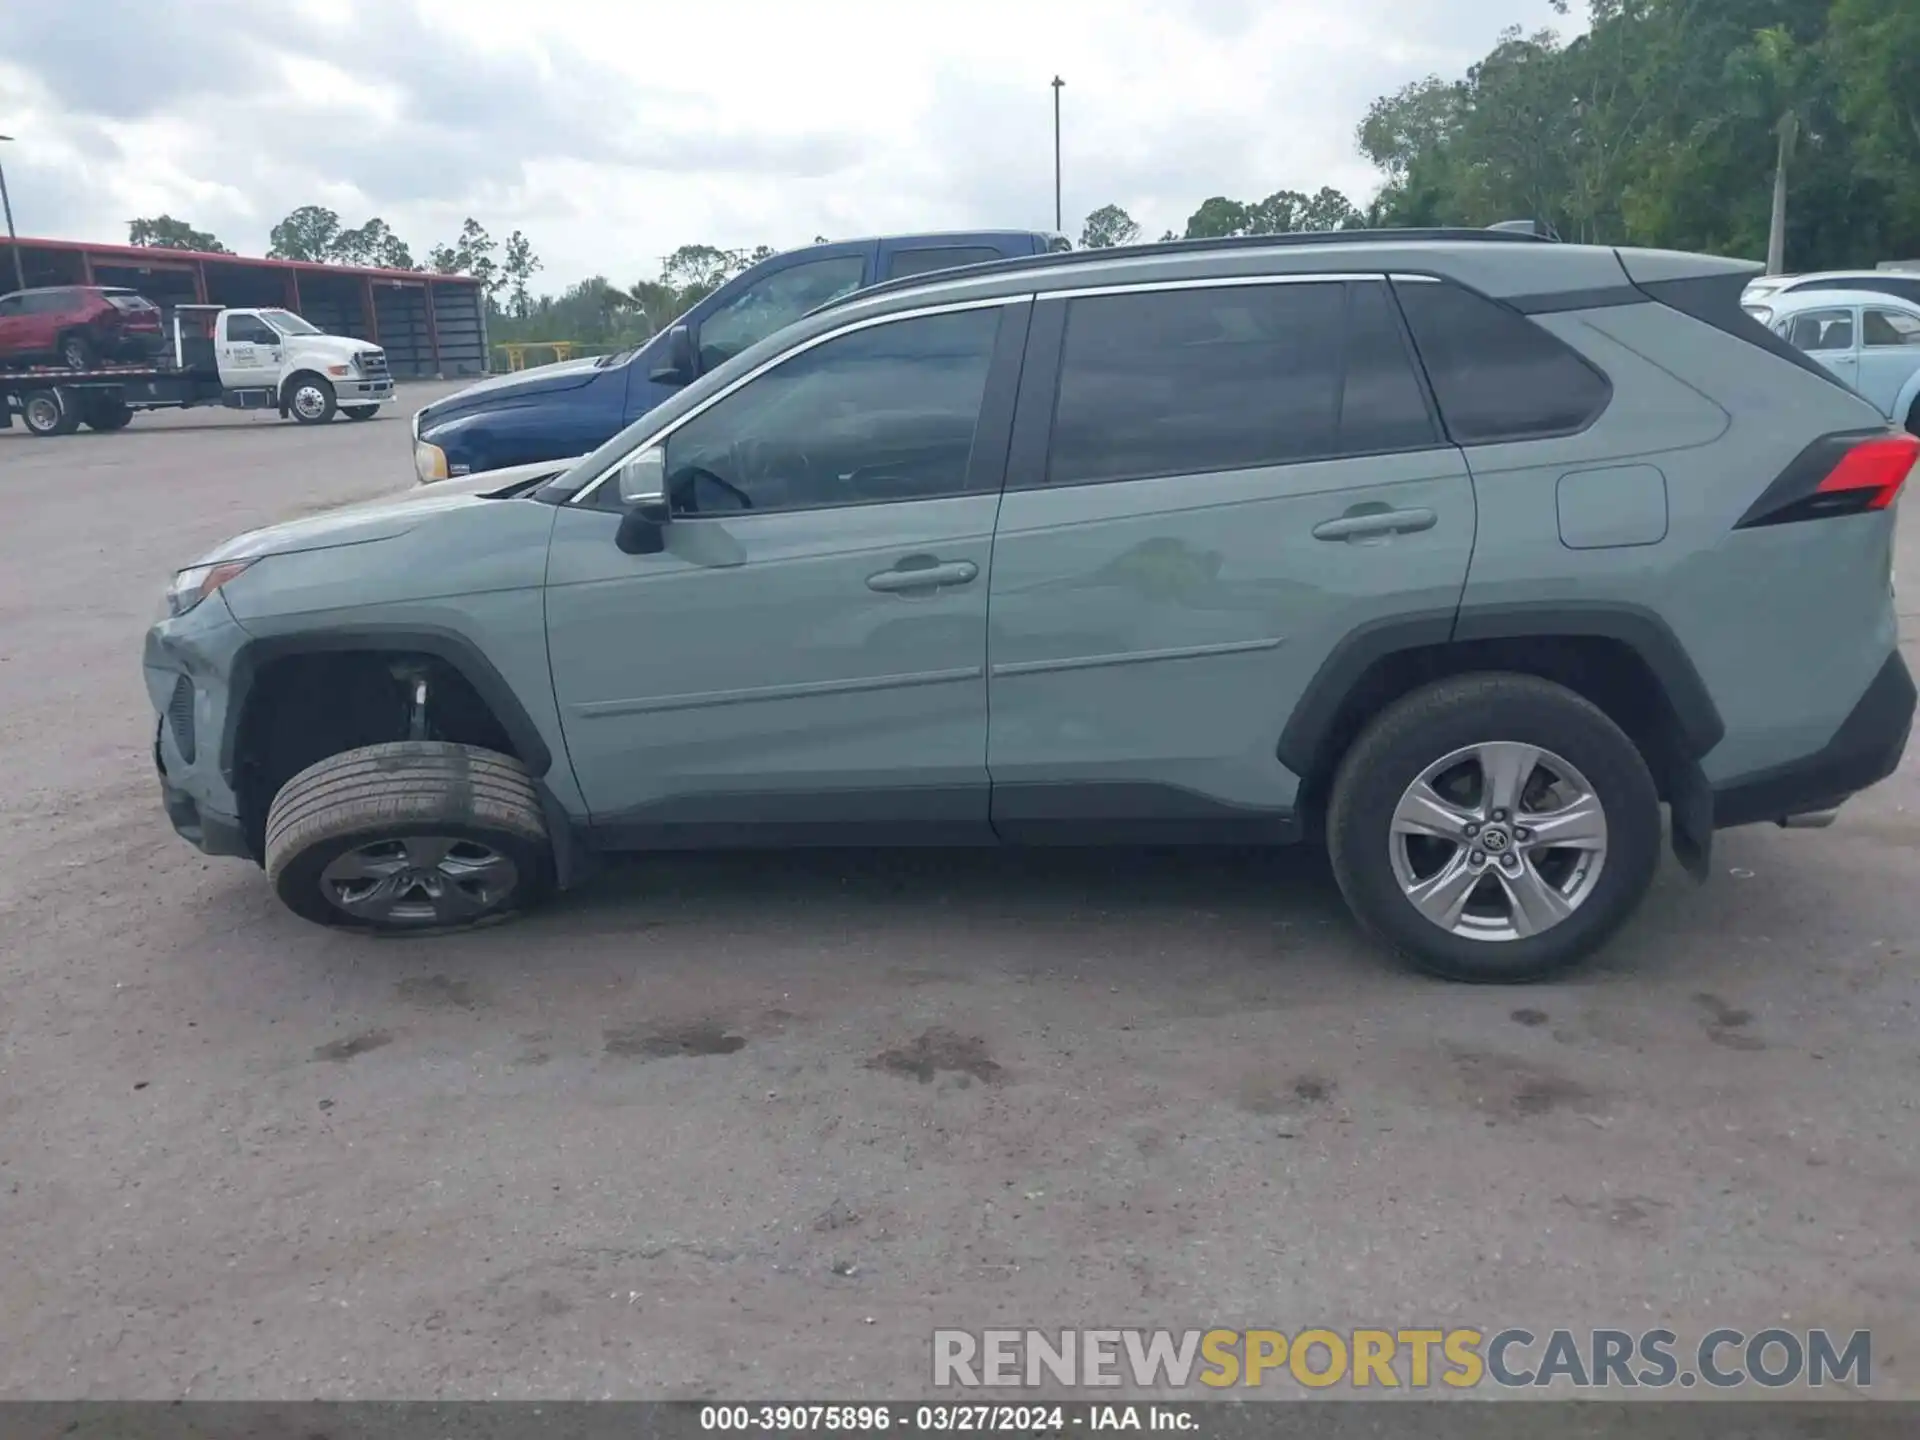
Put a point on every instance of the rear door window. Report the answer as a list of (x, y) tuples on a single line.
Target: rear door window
[(1192, 381), (1888, 328), (929, 258), (1496, 374)]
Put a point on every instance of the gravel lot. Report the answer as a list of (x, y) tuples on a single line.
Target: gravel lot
[(754, 1125)]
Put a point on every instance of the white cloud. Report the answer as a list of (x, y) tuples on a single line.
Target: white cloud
[(611, 132)]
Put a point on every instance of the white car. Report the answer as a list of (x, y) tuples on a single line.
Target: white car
[(1869, 339), (1902, 284)]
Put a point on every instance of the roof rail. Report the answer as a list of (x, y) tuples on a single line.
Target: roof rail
[(1503, 233)]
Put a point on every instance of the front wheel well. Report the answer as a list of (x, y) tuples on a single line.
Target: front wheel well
[(301, 709), (1608, 672)]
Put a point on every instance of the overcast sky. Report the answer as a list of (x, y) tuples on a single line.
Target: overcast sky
[(612, 132)]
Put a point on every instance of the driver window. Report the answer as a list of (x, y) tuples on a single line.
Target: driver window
[(251, 332), (777, 300), (881, 414)]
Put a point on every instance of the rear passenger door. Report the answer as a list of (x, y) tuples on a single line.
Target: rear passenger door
[(1210, 485), (1889, 354)]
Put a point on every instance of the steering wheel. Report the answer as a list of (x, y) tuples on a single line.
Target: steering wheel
[(692, 477)]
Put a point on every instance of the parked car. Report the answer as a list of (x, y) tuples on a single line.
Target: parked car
[(1869, 340), (1903, 284), (78, 326), (556, 412), (1461, 551)]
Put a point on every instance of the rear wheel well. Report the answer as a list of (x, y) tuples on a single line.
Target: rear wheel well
[(1608, 672), (300, 709)]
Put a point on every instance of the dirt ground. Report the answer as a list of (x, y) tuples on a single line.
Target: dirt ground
[(755, 1125)]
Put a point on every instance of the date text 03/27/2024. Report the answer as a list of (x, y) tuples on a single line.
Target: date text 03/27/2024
[(939, 1419)]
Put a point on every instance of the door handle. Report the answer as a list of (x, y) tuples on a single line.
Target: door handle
[(1359, 524), (922, 572)]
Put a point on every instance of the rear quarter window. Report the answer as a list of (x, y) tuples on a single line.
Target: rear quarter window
[(1496, 375)]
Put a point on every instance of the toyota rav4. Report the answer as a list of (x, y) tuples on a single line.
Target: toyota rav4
[(1463, 552)]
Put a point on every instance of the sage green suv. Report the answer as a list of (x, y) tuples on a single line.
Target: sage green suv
[(1464, 551)]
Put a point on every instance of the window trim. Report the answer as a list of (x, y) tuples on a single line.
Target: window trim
[(665, 432), (1031, 465)]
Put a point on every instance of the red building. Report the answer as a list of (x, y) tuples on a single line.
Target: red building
[(429, 325)]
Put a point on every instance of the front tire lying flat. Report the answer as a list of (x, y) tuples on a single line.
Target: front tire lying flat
[(1494, 828), (409, 836)]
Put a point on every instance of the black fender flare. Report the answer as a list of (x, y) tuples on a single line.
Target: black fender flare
[(447, 646), (1310, 728)]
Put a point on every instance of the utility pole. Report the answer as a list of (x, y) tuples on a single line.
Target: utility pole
[(13, 240), (1058, 85)]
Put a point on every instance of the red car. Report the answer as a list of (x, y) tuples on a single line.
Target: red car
[(78, 326)]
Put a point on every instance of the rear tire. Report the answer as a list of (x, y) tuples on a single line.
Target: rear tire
[(1391, 847), (49, 412), (77, 353), (412, 835), (107, 415), (310, 398), (360, 412)]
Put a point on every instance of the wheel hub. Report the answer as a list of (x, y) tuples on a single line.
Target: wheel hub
[(419, 880), (1498, 841)]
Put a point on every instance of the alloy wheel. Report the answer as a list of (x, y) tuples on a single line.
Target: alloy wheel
[(1498, 841)]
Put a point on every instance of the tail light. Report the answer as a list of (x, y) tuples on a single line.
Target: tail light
[(1844, 474)]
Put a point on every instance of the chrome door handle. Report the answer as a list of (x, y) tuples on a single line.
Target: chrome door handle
[(922, 572), (1363, 524)]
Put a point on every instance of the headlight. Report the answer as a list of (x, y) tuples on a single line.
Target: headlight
[(339, 369), (192, 586), (429, 461)]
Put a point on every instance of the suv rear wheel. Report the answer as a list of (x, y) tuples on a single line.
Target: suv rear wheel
[(76, 352), (1494, 828), (409, 835)]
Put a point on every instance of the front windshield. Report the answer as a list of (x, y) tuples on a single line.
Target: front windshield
[(288, 323)]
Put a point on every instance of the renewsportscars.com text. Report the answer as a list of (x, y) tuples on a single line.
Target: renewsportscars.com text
[(1395, 1359)]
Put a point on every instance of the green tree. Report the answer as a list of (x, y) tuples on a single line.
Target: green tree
[(163, 232), (306, 234), (1109, 226), (1216, 218), (518, 266), (373, 243), (696, 271)]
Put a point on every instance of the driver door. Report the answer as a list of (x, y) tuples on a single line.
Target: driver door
[(804, 659), (249, 352)]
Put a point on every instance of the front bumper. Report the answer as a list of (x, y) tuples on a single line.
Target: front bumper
[(187, 662), (1863, 751), (203, 826), (363, 392)]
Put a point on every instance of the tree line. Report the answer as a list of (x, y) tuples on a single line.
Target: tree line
[(1779, 129), (315, 233)]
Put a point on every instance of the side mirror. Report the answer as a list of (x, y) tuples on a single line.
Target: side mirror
[(642, 484), (675, 363)]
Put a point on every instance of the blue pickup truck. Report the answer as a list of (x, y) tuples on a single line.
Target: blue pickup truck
[(560, 411)]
